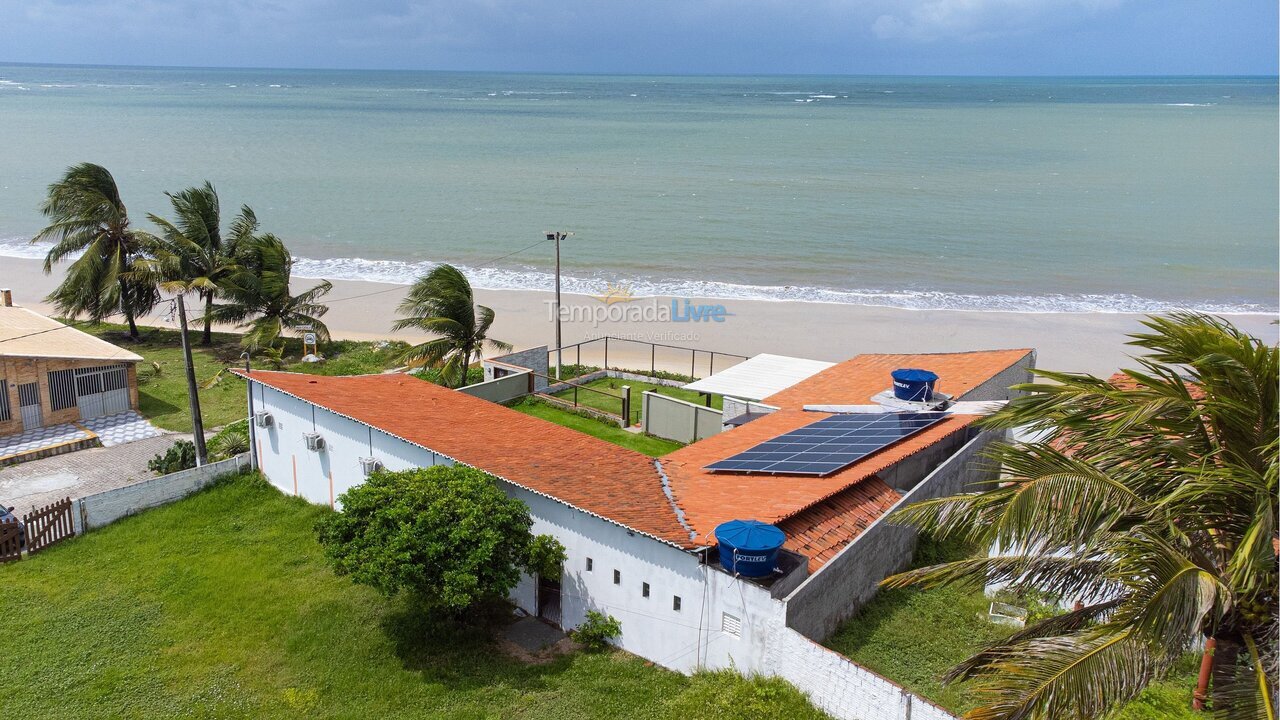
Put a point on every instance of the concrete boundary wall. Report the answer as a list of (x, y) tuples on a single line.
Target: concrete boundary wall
[(503, 389), (997, 388), (844, 689), (679, 420), (844, 584), (104, 508), (534, 358)]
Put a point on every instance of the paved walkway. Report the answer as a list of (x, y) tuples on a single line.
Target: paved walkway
[(40, 482), (40, 438)]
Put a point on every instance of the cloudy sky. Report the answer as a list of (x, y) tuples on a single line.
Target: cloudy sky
[(657, 36)]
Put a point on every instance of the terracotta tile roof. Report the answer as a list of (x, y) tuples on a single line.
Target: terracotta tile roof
[(585, 472), (1123, 381), (709, 499), (821, 531), (855, 381)]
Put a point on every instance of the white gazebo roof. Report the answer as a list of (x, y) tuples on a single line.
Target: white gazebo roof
[(759, 377)]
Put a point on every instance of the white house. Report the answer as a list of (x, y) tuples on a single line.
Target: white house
[(639, 532)]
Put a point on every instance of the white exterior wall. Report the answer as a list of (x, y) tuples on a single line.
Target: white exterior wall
[(685, 640), (322, 476), (650, 627)]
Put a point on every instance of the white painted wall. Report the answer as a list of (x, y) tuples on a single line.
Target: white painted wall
[(651, 627), (683, 640)]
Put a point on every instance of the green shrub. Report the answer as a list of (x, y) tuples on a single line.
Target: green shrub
[(230, 441), (597, 630), (546, 557), (475, 374), (445, 534), (180, 456)]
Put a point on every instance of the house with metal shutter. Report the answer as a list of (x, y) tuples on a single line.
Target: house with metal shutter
[(52, 373)]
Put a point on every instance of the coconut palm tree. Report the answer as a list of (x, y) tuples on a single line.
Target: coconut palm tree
[(208, 259), (441, 303), (1150, 498), (87, 217), (258, 296)]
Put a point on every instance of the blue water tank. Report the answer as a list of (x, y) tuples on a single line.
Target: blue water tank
[(749, 547), (913, 384)]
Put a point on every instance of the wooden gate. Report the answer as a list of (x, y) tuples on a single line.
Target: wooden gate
[(48, 525), (10, 541)]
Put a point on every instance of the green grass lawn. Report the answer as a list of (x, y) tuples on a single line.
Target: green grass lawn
[(220, 606), (162, 395), (914, 636), (647, 444), (612, 402)]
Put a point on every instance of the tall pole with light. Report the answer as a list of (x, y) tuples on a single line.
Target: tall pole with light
[(557, 237)]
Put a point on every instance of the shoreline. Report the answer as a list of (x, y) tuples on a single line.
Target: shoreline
[(1069, 341)]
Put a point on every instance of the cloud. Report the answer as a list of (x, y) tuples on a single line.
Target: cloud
[(930, 20)]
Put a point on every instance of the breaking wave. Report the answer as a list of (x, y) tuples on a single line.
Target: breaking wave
[(399, 272)]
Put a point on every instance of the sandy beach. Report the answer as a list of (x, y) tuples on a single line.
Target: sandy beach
[(1080, 342)]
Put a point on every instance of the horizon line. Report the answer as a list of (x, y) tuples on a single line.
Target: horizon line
[(19, 63)]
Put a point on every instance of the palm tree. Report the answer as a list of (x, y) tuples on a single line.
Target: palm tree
[(88, 217), (1151, 498), (208, 260), (441, 303), (258, 296)]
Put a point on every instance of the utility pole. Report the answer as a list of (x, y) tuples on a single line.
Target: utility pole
[(193, 398), (253, 430), (557, 237)]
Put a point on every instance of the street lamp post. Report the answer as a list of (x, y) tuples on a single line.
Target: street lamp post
[(557, 237)]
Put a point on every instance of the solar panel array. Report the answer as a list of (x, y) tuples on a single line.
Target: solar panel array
[(829, 444)]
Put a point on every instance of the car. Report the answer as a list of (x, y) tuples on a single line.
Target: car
[(7, 516)]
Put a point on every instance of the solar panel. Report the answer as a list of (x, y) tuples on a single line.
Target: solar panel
[(829, 444)]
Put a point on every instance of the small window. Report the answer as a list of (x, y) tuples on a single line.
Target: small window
[(675, 603), (644, 589), (617, 577), (731, 624), (590, 564)]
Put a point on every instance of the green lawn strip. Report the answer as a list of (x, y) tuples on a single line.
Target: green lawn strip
[(914, 636), (647, 444), (612, 402), (220, 605), (162, 395)]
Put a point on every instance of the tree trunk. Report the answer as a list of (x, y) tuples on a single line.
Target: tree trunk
[(466, 364), (1202, 681), (127, 310), (193, 397), (207, 340), (1226, 658)]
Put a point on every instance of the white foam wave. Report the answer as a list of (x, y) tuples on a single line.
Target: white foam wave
[(399, 272), (1190, 104)]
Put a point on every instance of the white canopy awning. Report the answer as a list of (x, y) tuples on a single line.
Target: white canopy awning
[(759, 377)]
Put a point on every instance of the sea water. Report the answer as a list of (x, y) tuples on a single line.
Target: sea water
[(1033, 194)]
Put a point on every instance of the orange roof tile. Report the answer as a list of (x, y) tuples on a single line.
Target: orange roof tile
[(855, 381), (821, 531), (582, 471), (709, 499)]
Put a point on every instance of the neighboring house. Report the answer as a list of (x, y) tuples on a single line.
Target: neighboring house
[(52, 373), (639, 532)]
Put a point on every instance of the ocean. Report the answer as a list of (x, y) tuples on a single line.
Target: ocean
[(1028, 194)]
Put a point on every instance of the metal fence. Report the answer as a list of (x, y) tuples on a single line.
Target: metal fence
[(617, 353)]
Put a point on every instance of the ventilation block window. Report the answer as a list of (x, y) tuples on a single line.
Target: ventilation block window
[(590, 564), (617, 577), (731, 624), (675, 603), (644, 589)]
